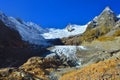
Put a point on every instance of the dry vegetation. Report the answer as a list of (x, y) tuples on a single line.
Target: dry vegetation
[(106, 38), (35, 67), (110, 38), (41, 67), (117, 33), (88, 36), (104, 70), (16, 74), (93, 34)]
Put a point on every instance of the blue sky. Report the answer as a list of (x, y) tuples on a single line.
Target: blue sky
[(57, 13)]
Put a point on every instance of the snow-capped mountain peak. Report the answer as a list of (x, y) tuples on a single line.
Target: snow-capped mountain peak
[(107, 9), (61, 33)]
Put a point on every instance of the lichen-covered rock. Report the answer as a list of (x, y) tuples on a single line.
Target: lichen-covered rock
[(42, 67), (16, 74), (35, 66)]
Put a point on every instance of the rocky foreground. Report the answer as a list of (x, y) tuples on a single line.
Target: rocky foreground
[(103, 70), (101, 65)]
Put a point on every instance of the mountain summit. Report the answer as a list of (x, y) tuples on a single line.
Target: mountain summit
[(107, 9), (106, 18)]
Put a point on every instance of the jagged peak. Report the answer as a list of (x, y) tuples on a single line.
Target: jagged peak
[(2, 14), (106, 12), (107, 9)]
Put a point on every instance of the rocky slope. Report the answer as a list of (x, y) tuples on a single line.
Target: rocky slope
[(107, 69)]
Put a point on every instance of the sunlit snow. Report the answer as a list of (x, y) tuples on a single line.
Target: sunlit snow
[(118, 16), (61, 33)]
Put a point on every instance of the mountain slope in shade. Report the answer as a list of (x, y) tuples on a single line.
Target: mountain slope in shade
[(13, 50), (9, 37)]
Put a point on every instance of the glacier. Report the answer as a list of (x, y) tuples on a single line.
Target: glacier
[(66, 53), (67, 50)]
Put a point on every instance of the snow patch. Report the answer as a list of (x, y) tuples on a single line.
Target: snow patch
[(95, 19), (118, 16), (108, 9), (82, 47)]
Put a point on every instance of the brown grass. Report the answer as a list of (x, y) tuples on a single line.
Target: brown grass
[(106, 38), (117, 33), (90, 35), (104, 70)]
